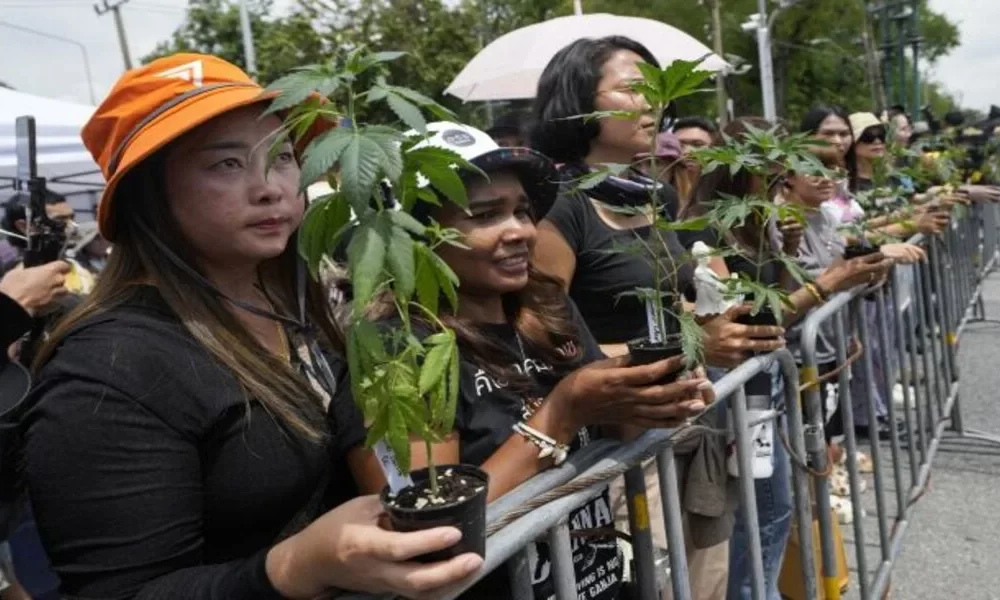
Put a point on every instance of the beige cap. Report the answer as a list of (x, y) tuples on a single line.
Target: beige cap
[(863, 120)]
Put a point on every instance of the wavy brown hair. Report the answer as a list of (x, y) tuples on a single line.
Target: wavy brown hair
[(540, 314), (141, 208)]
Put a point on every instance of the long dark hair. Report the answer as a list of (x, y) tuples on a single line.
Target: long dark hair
[(811, 123), (540, 314), (568, 88), (141, 208)]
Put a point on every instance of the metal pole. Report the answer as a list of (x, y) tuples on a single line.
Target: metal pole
[(83, 50), (115, 9), (642, 537), (249, 53), (901, 60), (720, 77), (915, 41), (766, 67), (871, 59), (886, 47)]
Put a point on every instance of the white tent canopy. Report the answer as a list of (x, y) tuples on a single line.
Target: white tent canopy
[(59, 146)]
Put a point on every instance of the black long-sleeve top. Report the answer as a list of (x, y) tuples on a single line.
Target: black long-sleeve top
[(148, 477)]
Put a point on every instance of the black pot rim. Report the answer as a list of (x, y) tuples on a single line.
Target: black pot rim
[(468, 470), (643, 343)]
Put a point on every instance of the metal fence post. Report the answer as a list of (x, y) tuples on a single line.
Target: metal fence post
[(519, 573), (851, 448), (802, 504), (642, 538), (748, 497), (882, 319), (905, 371), (666, 466), (861, 325), (561, 552)]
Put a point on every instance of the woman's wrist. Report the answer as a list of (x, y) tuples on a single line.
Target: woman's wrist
[(554, 419), (824, 285), (281, 566)]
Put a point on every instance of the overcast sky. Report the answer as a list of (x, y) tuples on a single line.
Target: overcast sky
[(53, 68)]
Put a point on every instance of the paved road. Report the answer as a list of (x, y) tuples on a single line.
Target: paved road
[(952, 547)]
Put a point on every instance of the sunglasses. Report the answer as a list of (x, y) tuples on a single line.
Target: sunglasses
[(870, 136)]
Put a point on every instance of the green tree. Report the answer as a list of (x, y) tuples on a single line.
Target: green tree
[(281, 43), (438, 39), (818, 50)]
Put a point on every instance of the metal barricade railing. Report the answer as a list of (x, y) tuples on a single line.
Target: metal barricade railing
[(921, 312), (596, 471)]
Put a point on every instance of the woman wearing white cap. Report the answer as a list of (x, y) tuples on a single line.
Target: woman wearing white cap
[(532, 375)]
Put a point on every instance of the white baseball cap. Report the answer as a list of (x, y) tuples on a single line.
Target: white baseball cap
[(537, 173)]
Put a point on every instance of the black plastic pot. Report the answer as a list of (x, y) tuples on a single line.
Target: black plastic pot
[(643, 352), (468, 514), (857, 250), (765, 316)]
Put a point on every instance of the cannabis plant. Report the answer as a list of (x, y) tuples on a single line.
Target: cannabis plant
[(770, 156), (406, 385), (660, 87)]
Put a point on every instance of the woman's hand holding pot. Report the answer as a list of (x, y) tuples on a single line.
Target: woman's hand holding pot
[(347, 549), (610, 392), (904, 253), (727, 343), (846, 274), (931, 221)]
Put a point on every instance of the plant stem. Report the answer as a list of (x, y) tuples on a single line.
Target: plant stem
[(431, 469)]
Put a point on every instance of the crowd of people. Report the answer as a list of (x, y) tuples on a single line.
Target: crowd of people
[(182, 438)]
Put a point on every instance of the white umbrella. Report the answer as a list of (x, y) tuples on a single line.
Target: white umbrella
[(509, 68)]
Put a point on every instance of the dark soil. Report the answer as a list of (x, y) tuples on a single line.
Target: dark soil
[(453, 488)]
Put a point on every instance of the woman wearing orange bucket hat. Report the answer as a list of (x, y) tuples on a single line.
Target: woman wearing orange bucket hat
[(176, 444)]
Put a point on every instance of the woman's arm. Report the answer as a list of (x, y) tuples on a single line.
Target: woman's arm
[(118, 496), (553, 255), (513, 463)]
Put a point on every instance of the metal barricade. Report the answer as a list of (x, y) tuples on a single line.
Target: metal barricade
[(920, 311)]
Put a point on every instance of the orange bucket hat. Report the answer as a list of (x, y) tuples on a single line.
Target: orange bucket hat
[(153, 105)]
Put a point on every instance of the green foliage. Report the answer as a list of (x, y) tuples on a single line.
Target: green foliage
[(406, 386), (818, 53)]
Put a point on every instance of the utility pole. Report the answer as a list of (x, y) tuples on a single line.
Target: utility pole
[(249, 52), (762, 23), (720, 77), (115, 9), (915, 41)]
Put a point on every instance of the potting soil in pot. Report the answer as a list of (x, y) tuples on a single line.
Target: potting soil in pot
[(452, 489)]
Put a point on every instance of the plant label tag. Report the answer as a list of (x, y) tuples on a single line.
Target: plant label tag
[(387, 459), (653, 322)]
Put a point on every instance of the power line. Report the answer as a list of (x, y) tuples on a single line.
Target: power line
[(115, 10)]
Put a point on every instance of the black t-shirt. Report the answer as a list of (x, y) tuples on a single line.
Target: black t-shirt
[(485, 416), (604, 272), (148, 477)]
